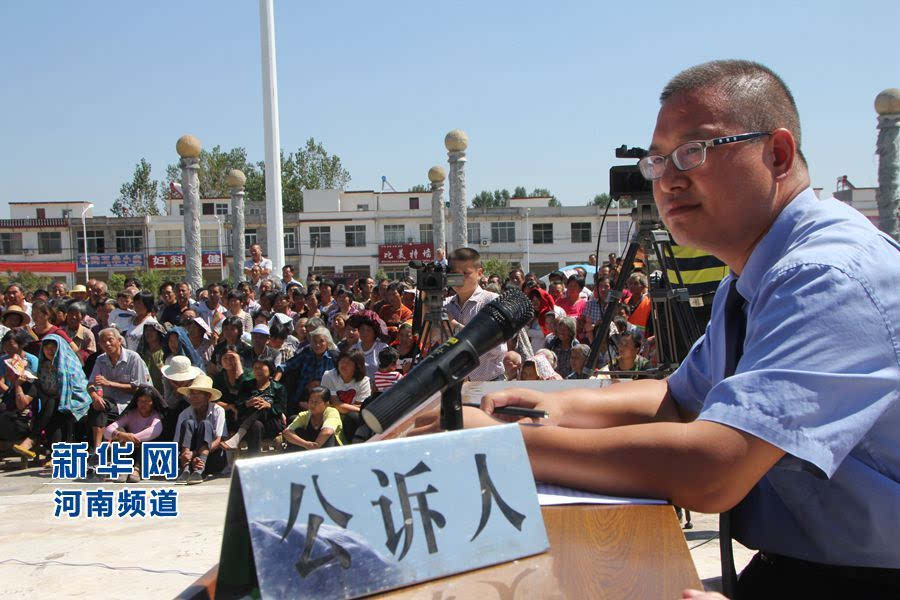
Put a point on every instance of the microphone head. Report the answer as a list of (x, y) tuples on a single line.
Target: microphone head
[(514, 310)]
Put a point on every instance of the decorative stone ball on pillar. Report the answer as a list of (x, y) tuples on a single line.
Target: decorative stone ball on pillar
[(235, 180), (437, 175), (456, 143), (887, 105), (189, 148)]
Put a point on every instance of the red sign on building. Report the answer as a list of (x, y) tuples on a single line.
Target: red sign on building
[(397, 254), (175, 260)]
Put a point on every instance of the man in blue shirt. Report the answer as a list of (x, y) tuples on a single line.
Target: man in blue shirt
[(800, 439)]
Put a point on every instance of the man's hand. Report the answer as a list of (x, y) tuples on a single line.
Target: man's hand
[(97, 403), (430, 422), (101, 380), (526, 398)]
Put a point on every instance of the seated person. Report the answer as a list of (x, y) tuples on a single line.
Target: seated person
[(15, 422), (538, 368), (387, 374), (318, 427), (580, 353), (628, 346), (232, 332), (199, 432), (349, 387), (512, 365), (260, 408), (117, 373), (141, 422), (177, 373), (61, 387)]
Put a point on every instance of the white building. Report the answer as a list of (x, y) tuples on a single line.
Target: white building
[(37, 238)]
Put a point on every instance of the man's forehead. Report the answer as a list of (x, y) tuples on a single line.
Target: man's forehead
[(686, 117)]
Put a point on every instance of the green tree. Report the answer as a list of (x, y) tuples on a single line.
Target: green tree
[(603, 200), (520, 192), (214, 165), (545, 193), (138, 197), (420, 188), (28, 280), (496, 266), (310, 168)]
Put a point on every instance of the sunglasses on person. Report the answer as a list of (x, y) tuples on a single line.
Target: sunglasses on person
[(689, 155)]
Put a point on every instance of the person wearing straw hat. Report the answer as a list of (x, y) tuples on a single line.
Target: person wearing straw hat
[(177, 373), (79, 293), (14, 317), (199, 432)]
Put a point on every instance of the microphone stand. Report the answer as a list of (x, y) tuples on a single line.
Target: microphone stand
[(451, 407)]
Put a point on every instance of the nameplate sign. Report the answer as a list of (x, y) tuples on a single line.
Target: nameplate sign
[(355, 520)]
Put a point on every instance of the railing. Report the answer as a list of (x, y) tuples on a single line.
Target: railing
[(33, 223)]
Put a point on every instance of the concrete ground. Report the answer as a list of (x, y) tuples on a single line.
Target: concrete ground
[(45, 557)]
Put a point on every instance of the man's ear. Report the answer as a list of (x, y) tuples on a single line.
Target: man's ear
[(783, 153)]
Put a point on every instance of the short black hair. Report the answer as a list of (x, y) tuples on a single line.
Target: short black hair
[(268, 362), (236, 295), (279, 330), (146, 298), (324, 392), (387, 357), (359, 361), (577, 279), (466, 255), (233, 321)]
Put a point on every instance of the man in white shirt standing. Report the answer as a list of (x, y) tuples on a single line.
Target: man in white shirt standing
[(257, 260), (465, 304)]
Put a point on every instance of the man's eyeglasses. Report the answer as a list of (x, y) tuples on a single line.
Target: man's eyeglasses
[(689, 155)]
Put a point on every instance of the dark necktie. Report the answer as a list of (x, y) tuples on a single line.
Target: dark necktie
[(735, 331)]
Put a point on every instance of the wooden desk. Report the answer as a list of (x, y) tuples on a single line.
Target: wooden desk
[(595, 552)]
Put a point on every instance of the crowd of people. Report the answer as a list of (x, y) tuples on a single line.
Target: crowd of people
[(269, 362)]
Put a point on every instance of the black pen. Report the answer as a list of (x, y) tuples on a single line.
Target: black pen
[(514, 411)]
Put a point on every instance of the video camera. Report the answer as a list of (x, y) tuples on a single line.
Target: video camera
[(626, 181), (432, 276)]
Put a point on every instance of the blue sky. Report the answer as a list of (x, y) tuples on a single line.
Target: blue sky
[(544, 90)]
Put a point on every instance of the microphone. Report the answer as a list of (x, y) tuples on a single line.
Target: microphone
[(499, 320)]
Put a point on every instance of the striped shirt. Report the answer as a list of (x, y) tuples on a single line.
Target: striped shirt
[(491, 365), (385, 379)]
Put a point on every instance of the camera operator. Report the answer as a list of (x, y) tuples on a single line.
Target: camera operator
[(465, 304)]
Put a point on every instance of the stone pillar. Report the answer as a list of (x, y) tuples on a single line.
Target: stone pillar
[(887, 105), (235, 180), (436, 176), (456, 143), (188, 148)]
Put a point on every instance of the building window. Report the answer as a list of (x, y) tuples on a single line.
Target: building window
[(362, 207), (67, 213), (41, 213), (413, 204), (208, 208), (426, 233), (255, 212), (10, 243), (181, 210), (581, 233), (96, 244), (221, 208), (49, 242), (473, 233), (129, 240), (355, 236), (394, 234), (168, 240), (504, 231), (542, 233), (290, 238), (209, 240), (249, 238), (618, 230), (320, 237)]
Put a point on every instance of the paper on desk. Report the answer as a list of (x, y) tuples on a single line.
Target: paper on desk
[(554, 495)]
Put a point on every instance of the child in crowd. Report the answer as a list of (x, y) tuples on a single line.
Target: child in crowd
[(387, 374), (318, 427)]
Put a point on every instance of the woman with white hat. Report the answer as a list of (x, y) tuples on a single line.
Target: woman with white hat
[(199, 432), (177, 373)]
